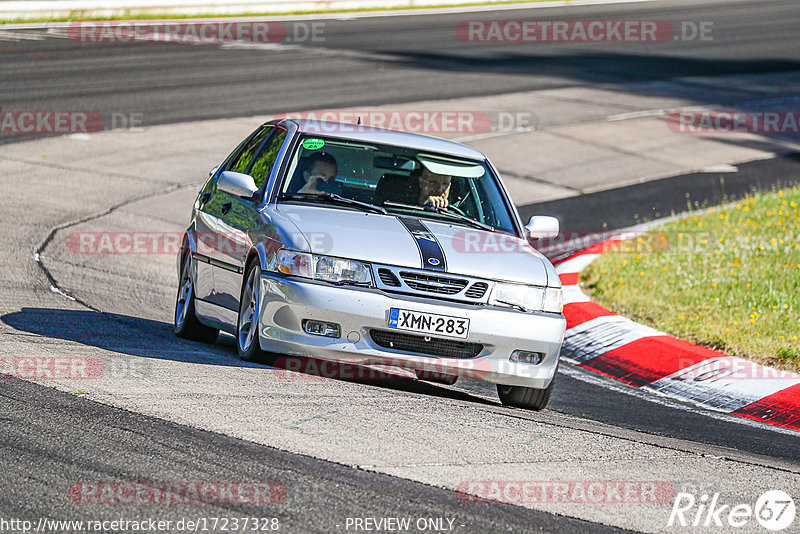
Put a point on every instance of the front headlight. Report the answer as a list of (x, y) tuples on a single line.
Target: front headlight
[(341, 271), (335, 270), (527, 298)]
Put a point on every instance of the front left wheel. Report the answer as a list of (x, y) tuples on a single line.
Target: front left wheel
[(185, 323), (525, 397)]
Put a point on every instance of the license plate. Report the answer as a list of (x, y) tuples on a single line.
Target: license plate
[(428, 323)]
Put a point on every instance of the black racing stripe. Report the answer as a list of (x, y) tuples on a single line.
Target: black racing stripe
[(429, 248)]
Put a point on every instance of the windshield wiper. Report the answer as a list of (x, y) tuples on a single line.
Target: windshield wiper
[(442, 211), (513, 305), (464, 218), (366, 206)]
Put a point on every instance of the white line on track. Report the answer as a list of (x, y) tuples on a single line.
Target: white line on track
[(660, 112), (489, 135), (20, 35)]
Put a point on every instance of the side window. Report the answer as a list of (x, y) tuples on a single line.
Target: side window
[(205, 192), (240, 162), (263, 165)]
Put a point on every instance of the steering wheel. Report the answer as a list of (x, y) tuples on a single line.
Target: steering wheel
[(456, 209)]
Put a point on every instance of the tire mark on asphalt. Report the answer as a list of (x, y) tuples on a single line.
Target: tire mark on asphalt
[(534, 179), (85, 170), (37, 255)]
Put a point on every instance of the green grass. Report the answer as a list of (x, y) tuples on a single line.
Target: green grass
[(81, 15), (728, 279)]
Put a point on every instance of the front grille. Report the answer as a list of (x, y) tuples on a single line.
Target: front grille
[(431, 284), (477, 290), (441, 285), (388, 278), (431, 346)]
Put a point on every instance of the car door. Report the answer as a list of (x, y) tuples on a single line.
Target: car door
[(203, 283), (211, 234), (237, 219)]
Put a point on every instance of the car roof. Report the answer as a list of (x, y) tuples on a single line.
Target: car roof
[(388, 137)]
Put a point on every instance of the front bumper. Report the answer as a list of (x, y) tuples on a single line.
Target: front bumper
[(286, 302)]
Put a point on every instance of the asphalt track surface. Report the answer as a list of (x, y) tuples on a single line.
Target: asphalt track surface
[(97, 442), (371, 61), (50, 438)]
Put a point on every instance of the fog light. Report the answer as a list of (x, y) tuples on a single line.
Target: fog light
[(523, 356), (321, 328)]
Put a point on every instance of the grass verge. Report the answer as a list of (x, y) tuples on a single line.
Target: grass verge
[(728, 279)]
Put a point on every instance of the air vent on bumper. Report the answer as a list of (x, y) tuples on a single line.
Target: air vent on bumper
[(429, 346), (388, 278), (477, 290)]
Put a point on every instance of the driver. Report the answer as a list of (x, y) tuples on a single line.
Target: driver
[(434, 189), (422, 187)]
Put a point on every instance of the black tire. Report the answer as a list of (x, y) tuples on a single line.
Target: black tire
[(249, 349), (429, 376), (185, 323), (524, 397)]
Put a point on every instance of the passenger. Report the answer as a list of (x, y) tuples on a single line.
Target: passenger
[(320, 174)]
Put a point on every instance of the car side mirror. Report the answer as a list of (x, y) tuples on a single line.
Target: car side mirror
[(542, 227), (237, 184)]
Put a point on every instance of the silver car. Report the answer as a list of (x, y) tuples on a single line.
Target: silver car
[(369, 246)]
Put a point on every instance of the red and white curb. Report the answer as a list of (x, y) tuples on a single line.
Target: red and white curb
[(643, 357)]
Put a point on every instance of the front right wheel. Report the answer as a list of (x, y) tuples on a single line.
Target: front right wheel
[(524, 397), (247, 343)]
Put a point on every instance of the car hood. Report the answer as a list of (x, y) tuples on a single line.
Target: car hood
[(383, 239)]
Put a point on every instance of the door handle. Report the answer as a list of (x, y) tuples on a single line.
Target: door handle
[(226, 208)]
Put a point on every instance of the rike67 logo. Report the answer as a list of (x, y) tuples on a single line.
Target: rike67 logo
[(774, 510)]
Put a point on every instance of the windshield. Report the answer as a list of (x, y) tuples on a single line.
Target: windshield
[(401, 180)]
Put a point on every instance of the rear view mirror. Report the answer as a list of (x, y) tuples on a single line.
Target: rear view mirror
[(393, 163), (542, 227), (237, 184)]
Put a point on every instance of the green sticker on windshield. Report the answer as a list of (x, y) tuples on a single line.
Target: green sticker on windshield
[(313, 144)]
